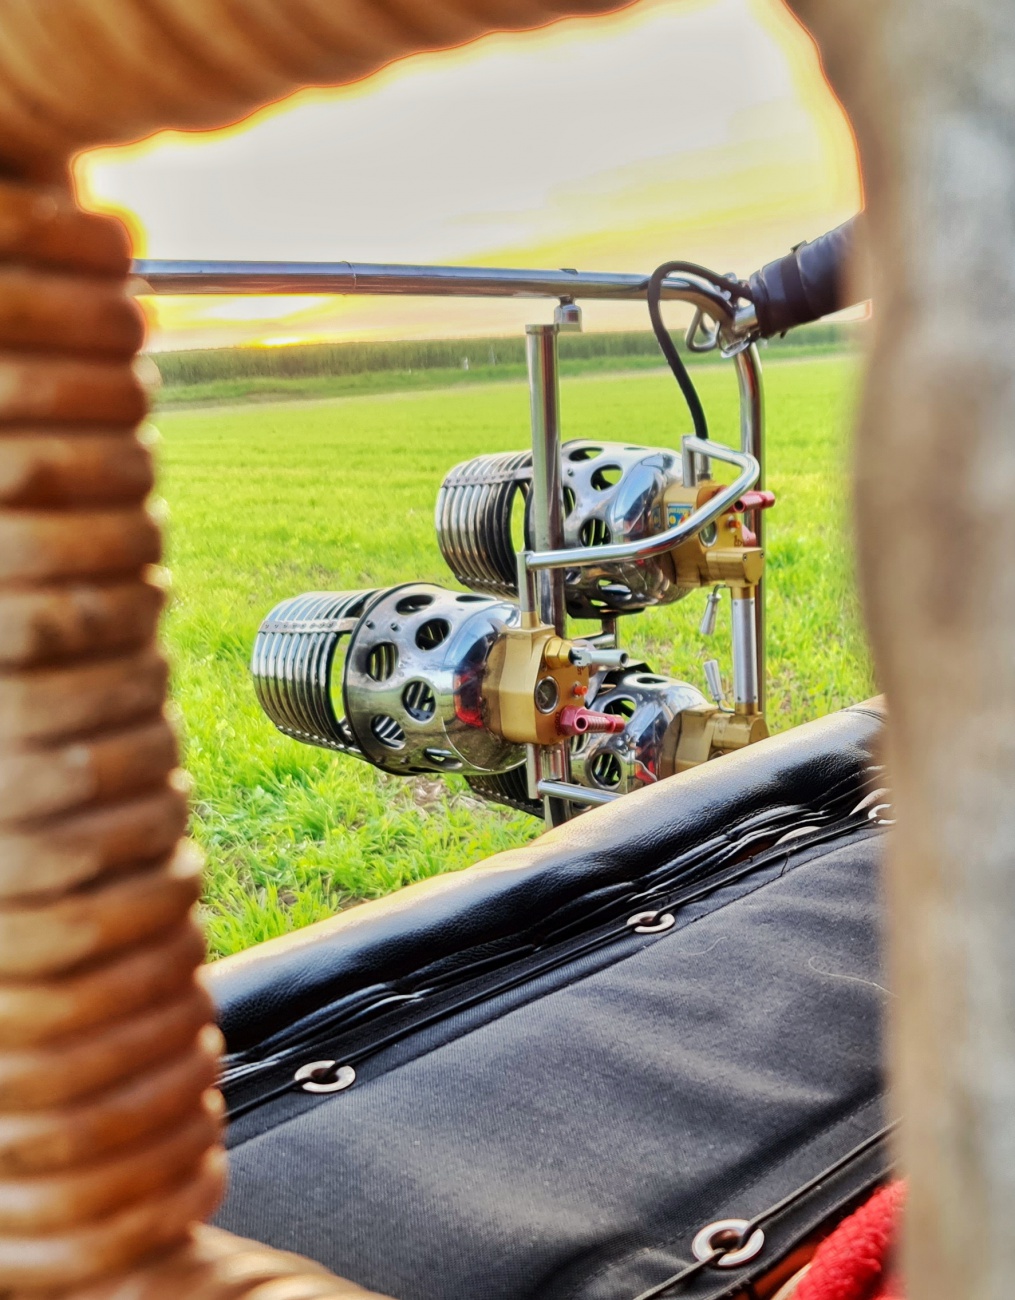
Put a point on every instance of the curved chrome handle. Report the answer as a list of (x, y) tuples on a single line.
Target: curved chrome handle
[(644, 547)]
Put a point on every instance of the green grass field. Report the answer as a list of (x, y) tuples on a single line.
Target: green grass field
[(270, 500)]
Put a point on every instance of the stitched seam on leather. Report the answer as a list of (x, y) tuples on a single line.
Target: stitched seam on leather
[(865, 712)]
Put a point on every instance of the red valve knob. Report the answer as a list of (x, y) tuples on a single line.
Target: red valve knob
[(576, 721), (754, 500)]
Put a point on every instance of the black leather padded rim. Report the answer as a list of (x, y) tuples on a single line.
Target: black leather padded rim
[(268, 990), (565, 1137), (452, 995)]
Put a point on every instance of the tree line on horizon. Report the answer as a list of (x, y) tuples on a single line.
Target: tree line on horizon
[(313, 359)]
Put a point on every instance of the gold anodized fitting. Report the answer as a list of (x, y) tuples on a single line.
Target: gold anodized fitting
[(706, 731), (717, 554), (530, 678)]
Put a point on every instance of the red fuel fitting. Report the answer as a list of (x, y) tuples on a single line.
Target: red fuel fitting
[(576, 721)]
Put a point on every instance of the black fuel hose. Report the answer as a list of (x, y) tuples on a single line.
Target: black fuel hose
[(669, 348)]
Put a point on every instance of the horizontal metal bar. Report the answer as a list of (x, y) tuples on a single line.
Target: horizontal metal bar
[(657, 544), (371, 279), (574, 793)]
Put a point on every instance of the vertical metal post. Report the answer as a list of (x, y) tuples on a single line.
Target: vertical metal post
[(547, 515), (547, 494), (752, 439), (746, 685)]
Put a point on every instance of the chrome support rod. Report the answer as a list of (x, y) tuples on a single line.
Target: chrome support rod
[(547, 517), (746, 684), (373, 279), (548, 767), (752, 440), (528, 606), (547, 492), (575, 793)]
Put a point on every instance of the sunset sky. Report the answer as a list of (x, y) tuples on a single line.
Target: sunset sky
[(679, 128)]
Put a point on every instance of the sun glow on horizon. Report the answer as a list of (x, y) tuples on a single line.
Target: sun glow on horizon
[(699, 129)]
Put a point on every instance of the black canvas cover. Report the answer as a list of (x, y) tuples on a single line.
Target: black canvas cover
[(549, 1103)]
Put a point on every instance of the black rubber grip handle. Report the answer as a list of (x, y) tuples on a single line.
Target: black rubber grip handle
[(808, 283)]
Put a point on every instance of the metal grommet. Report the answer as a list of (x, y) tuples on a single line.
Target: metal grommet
[(710, 1239), (651, 922), (325, 1076)]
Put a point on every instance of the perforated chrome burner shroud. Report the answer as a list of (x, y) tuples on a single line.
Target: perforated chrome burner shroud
[(630, 759), (619, 763), (613, 492), (393, 676)]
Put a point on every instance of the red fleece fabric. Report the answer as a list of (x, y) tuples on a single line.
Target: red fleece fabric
[(853, 1263)]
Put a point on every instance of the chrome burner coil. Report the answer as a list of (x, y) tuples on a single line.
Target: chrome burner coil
[(510, 789), (293, 666), (475, 508)]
